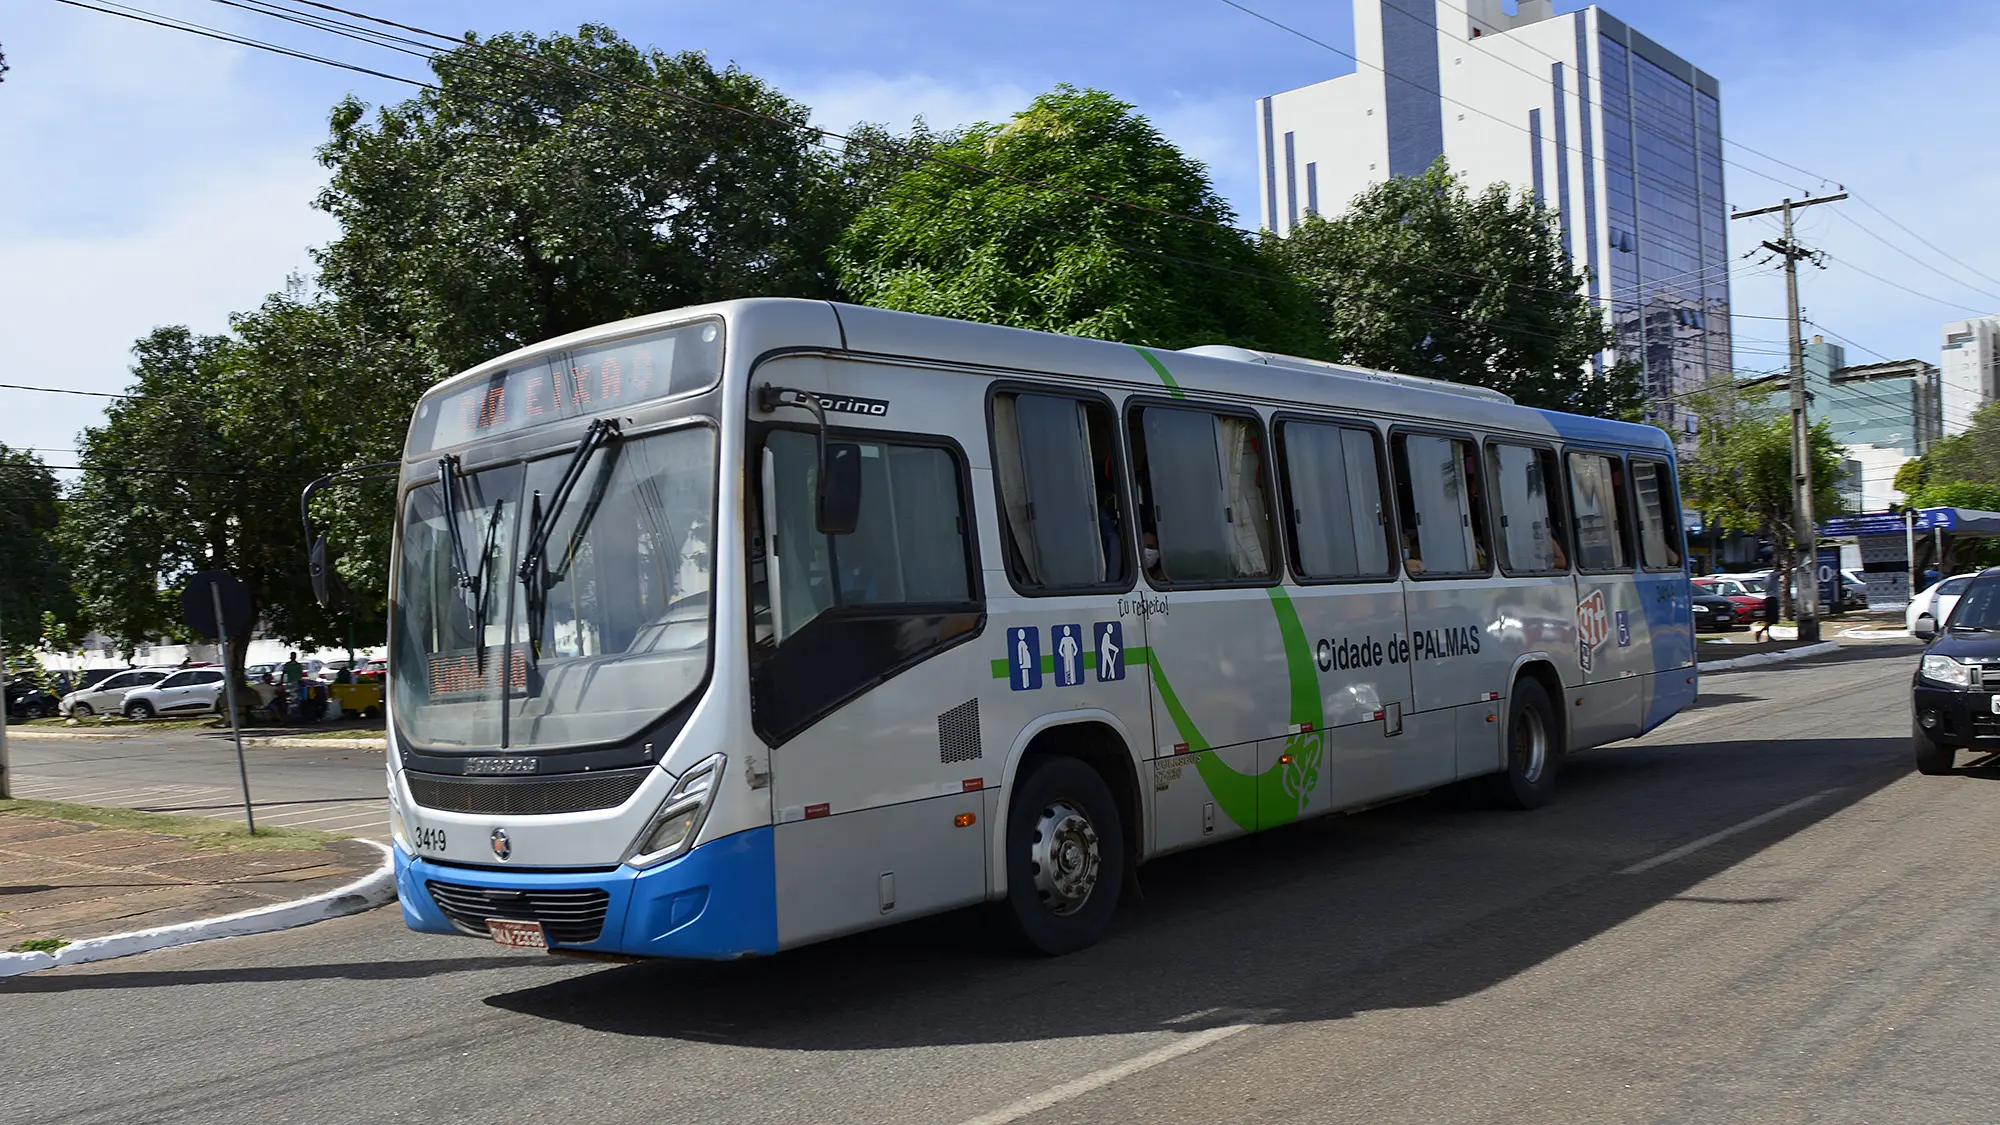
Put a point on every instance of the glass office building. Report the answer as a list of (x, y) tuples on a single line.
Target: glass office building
[(1616, 134)]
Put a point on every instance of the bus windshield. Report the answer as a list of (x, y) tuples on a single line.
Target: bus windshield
[(607, 633)]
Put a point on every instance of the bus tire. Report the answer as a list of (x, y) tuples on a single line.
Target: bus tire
[(1932, 759), (1533, 750), (1065, 857)]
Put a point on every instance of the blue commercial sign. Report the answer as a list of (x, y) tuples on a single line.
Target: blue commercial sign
[(1890, 523), (1829, 577)]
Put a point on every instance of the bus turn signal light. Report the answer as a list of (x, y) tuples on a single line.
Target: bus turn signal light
[(964, 820)]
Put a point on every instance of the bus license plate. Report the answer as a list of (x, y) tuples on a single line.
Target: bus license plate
[(520, 935)]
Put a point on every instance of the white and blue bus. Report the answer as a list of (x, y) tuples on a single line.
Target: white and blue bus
[(722, 631)]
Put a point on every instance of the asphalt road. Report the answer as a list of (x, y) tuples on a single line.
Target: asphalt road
[(194, 773), (1758, 913)]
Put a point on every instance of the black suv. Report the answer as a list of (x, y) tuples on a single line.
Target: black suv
[(1957, 685)]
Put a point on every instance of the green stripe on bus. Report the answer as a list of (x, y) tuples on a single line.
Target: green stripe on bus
[(1132, 656), (1160, 369)]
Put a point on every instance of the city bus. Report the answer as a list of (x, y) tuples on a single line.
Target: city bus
[(722, 631)]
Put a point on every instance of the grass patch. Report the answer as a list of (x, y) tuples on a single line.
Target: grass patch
[(198, 831), (40, 945)]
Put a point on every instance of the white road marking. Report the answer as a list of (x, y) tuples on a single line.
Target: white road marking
[(1097, 1080), (1694, 846)]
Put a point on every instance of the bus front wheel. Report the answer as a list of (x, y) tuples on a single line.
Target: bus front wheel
[(1065, 857), (1533, 749)]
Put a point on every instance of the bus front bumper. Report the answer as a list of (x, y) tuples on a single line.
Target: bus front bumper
[(717, 902)]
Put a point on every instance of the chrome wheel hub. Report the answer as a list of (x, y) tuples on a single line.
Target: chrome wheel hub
[(1065, 858), (1531, 746)]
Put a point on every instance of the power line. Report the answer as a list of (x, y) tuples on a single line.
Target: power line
[(97, 394), (1904, 288), (1920, 238), (211, 33), (1905, 253)]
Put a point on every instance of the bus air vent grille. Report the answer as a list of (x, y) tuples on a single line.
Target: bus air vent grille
[(958, 733), (571, 917), (575, 792)]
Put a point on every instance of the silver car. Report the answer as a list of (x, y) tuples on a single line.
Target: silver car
[(107, 696)]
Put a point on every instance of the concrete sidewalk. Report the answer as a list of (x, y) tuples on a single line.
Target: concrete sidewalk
[(64, 880)]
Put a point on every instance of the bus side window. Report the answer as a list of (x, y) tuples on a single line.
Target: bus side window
[(1659, 516), (1440, 499), (1203, 505), (1063, 520), (1333, 489), (910, 546), (1603, 525), (1528, 491)]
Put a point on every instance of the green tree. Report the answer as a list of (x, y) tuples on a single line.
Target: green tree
[(35, 580), (1421, 277), (1740, 473), (543, 188), (201, 470), (998, 246)]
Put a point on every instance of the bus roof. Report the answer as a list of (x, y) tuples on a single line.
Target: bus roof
[(756, 326)]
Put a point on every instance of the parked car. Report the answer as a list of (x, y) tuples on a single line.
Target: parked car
[(1749, 604), (1713, 613), (1953, 692), (26, 700), (107, 696), (1936, 603), (191, 691)]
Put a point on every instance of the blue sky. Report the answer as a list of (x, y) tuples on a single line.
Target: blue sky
[(149, 177)]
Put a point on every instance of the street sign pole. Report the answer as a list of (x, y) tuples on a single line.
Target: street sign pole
[(235, 720), (6, 772)]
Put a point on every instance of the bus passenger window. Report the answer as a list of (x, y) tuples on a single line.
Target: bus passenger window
[(1062, 516), (910, 546), (1532, 538), (1333, 487), (1659, 516), (1603, 525), (1204, 516), (1440, 500)]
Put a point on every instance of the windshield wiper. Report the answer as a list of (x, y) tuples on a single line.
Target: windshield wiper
[(472, 582), (536, 578), (1958, 625)]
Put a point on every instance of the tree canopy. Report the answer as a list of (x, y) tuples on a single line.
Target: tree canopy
[(951, 239), (35, 582), (547, 185), (1421, 277)]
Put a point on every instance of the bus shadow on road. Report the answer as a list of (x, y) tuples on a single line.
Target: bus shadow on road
[(1409, 905)]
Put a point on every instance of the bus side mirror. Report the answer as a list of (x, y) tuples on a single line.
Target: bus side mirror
[(1926, 628), (316, 566), (840, 489)]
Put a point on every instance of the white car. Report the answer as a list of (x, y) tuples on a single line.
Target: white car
[(1936, 602), (192, 691), (107, 696)]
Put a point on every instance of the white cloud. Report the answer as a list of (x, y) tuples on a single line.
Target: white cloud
[(839, 101), (74, 303)]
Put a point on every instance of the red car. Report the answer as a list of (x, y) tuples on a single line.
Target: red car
[(1749, 605)]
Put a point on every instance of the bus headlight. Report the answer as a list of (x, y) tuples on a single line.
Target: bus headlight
[(674, 827), (1945, 670)]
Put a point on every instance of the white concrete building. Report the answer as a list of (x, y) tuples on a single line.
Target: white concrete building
[(1969, 369), (1617, 134)]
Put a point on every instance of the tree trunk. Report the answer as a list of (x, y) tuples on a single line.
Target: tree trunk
[(1787, 561)]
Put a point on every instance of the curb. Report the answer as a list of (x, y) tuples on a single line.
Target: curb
[(366, 893), (320, 743), (1762, 658), (59, 735)]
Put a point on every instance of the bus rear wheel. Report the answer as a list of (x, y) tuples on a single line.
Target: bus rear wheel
[(1534, 751), (1065, 857)]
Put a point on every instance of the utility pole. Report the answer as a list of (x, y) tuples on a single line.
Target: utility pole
[(1805, 533)]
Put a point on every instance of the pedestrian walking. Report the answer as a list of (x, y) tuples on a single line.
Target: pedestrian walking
[(1762, 631)]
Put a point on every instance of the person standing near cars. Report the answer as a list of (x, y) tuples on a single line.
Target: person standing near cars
[(294, 676)]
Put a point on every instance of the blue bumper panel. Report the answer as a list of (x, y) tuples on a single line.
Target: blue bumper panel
[(717, 902)]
